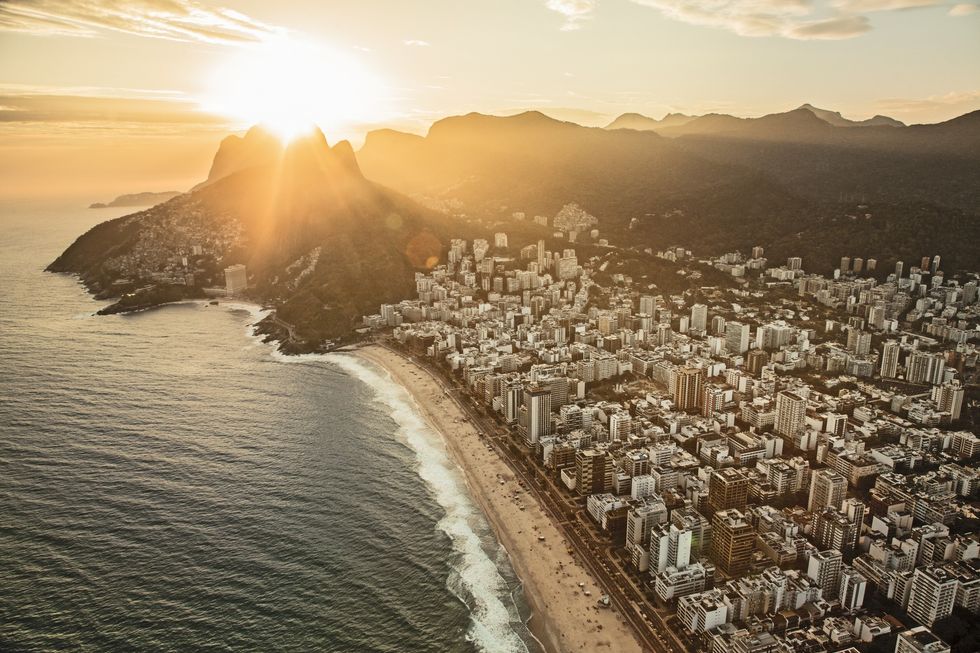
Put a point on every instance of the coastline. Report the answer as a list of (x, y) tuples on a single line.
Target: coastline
[(563, 618)]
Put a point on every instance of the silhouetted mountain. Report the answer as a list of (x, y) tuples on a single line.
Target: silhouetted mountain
[(535, 164), (137, 199), (644, 123), (921, 163), (834, 118), (319, 241), (720, 182)]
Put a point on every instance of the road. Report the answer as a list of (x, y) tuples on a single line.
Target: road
[(591, 547)]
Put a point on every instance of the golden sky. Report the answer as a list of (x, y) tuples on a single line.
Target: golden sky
[(109, 96)]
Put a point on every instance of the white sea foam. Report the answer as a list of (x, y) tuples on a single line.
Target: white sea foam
[(478, 577)]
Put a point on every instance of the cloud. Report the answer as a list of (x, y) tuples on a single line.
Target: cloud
[(868, 6), (106, 106), (418, 43), (957, 101), (174, 20), (844, 27), (963, 9), (574, 11), (791, 19)]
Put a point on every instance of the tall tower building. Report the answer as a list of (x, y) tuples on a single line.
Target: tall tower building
[(593, 471), (648, 305), (824, 568), (925, 367), (537, 400), (949, 397), (933, 594), (732, 542), (755, 361), (699, 317), (889, 359), (670, 546), (736, 337), (728, 488), (827, 489), (790, 413), (688, 388), (853, 587)]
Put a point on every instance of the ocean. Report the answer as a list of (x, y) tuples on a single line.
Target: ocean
[(170, 483)]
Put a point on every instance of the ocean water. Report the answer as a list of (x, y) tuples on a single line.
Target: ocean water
[(170, 483)]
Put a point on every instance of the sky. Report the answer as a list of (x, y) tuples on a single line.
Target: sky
[(106, 96)]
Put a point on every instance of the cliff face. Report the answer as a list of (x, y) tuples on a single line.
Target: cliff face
[(320, 242)]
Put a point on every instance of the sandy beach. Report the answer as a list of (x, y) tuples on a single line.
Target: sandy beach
[(564, 617)]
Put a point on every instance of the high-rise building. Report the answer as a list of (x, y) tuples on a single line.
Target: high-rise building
[(845, 264), (687, 518), (593, 471), (933, 594), (718, 325), (889, 359), (236, 279), (728, 488), (949, 398), (755, 361), (644, 518), (619, 425), (827, 490), (832, 529), (670, 546), (969, 292), (732, 542), (794, 263), (648, 305), (713, 399), (925, 367), (758, 252), (736, 337), (537, 400), (920, 640), (688, 388), (899, 268), (824, 568), (500, 240), (699, 317), (790, 413), (858, 265), (853, 587), (858, 342)]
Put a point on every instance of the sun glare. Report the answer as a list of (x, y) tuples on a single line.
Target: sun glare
[(290, 85)]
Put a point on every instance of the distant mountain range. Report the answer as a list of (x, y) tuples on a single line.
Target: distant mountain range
[(728, 182), (325, 240), (137, 199), (714, 122)]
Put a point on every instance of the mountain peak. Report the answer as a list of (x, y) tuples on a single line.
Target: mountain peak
[(837, 120), (309, 153)]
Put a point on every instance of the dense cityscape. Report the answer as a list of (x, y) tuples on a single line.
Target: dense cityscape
[(786, 462)]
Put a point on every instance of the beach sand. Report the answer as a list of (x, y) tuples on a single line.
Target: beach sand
[(564, 618)]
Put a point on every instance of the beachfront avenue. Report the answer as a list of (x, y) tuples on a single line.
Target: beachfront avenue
[(742, 467)]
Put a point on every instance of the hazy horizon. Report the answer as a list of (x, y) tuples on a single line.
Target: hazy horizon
[(108, 98)]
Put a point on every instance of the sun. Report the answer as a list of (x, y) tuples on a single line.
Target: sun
[(289, 85)]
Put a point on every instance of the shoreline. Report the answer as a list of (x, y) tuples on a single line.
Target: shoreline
[(563, 618)]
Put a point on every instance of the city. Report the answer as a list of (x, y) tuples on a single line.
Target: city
[(780, 463)]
